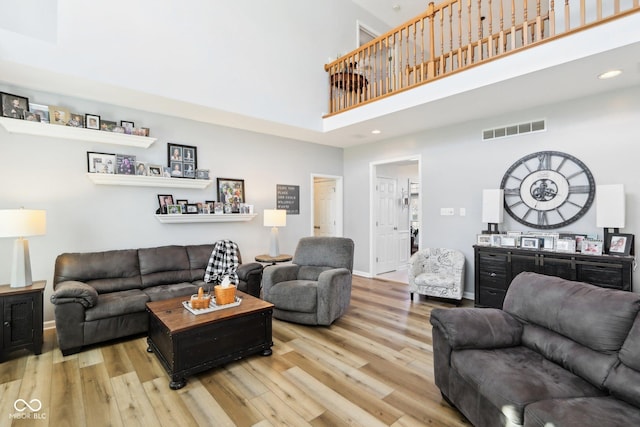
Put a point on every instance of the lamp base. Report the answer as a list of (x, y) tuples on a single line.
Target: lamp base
[(274, 247), (21, 267), (492, 228)]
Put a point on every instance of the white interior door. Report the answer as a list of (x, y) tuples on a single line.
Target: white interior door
[(324, 207), (386, 228)]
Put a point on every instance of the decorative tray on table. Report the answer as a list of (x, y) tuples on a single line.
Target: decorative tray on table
[(212, 306)]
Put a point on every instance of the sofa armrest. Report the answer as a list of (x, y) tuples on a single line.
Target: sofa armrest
[(245, 270), (480, 328), (72, 291), (251, 274), (334, 294)]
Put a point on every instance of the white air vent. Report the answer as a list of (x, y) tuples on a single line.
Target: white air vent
[(512, 130)]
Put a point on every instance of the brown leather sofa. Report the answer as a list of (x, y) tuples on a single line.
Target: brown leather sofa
[(100, 296), (559, 353)]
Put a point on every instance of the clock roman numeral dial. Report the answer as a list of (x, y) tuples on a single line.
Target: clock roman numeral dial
[(542, 218), (548, 189), (575, 189)]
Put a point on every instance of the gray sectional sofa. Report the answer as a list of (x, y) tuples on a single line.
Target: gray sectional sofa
[(100, 296), (559, 354)]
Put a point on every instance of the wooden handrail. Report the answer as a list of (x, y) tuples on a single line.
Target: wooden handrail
[(453, 36)]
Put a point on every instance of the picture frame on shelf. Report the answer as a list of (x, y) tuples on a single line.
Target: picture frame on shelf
[(59, 115), (174, 210), (107, 125), (142, 169), (202, 173), (118, 129), (182, 159), (592, 247), (212, 206), (231, 193), (164, 200), (166, 171), (192, 209), (40, 109), (183, 203), (30, 116), (483, 240), (140, 131), (508, 242), (13, 106), (92, 121), (579, 239), (154, 170), (529, 242), (127, 126), (125, 164), (76, 120), (566, 245), (620, 244), (496, 239), (101, 162)]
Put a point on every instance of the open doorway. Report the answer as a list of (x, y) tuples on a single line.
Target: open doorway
[(395, 215), (326, 205)]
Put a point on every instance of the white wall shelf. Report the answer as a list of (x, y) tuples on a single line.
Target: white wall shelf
[(187, 218), (147, 181), (27, 127)]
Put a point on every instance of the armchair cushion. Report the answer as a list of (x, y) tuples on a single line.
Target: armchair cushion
[(74, 291), (295, 295)]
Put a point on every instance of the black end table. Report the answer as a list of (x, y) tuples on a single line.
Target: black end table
[(21, 312)]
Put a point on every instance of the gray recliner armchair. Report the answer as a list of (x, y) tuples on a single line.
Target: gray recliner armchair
[(316, 288)]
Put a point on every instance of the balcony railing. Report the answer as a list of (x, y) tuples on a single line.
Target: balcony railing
[(456, 35)]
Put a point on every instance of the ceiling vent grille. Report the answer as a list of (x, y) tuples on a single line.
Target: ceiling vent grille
[(513, 130)]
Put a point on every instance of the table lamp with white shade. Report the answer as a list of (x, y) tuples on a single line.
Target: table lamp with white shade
[(492, 209), (21, 223), (275, 218), (610, 210)]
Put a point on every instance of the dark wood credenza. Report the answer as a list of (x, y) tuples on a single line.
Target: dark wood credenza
[(495, 268)]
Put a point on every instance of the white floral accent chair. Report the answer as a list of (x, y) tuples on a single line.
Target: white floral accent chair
[(437, 272)]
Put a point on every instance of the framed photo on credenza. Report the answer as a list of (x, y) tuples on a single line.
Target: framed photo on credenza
[(620, 244)]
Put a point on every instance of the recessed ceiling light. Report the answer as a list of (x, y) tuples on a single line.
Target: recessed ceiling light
[(610, 74), (376, 131)]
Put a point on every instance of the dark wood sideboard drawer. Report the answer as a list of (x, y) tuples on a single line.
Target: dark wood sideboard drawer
[(490, 297)]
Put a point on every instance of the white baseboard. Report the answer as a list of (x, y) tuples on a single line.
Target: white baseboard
[(49, 324), (362, 274)]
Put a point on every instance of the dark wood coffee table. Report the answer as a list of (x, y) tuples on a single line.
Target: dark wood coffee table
[(186, 343)]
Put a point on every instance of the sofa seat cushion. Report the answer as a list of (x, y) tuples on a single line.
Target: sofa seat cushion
[(295, 295), (117, 304), (511, 378), (435, 279), (580, 412), (162, 292)]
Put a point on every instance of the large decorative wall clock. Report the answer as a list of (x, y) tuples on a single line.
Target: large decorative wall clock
[(548, 189)]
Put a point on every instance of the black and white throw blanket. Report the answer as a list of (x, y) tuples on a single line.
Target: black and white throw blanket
[(223, 262)]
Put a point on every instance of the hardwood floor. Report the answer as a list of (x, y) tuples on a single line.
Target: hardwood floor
[(372, 367)]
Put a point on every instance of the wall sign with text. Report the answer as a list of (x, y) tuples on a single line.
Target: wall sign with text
[(288, 198)]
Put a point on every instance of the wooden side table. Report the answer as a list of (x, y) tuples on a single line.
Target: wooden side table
[(273, 259), (21, 318)]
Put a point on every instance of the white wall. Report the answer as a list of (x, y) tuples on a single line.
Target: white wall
[(262, 59), (456, 165), (50, 174)]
